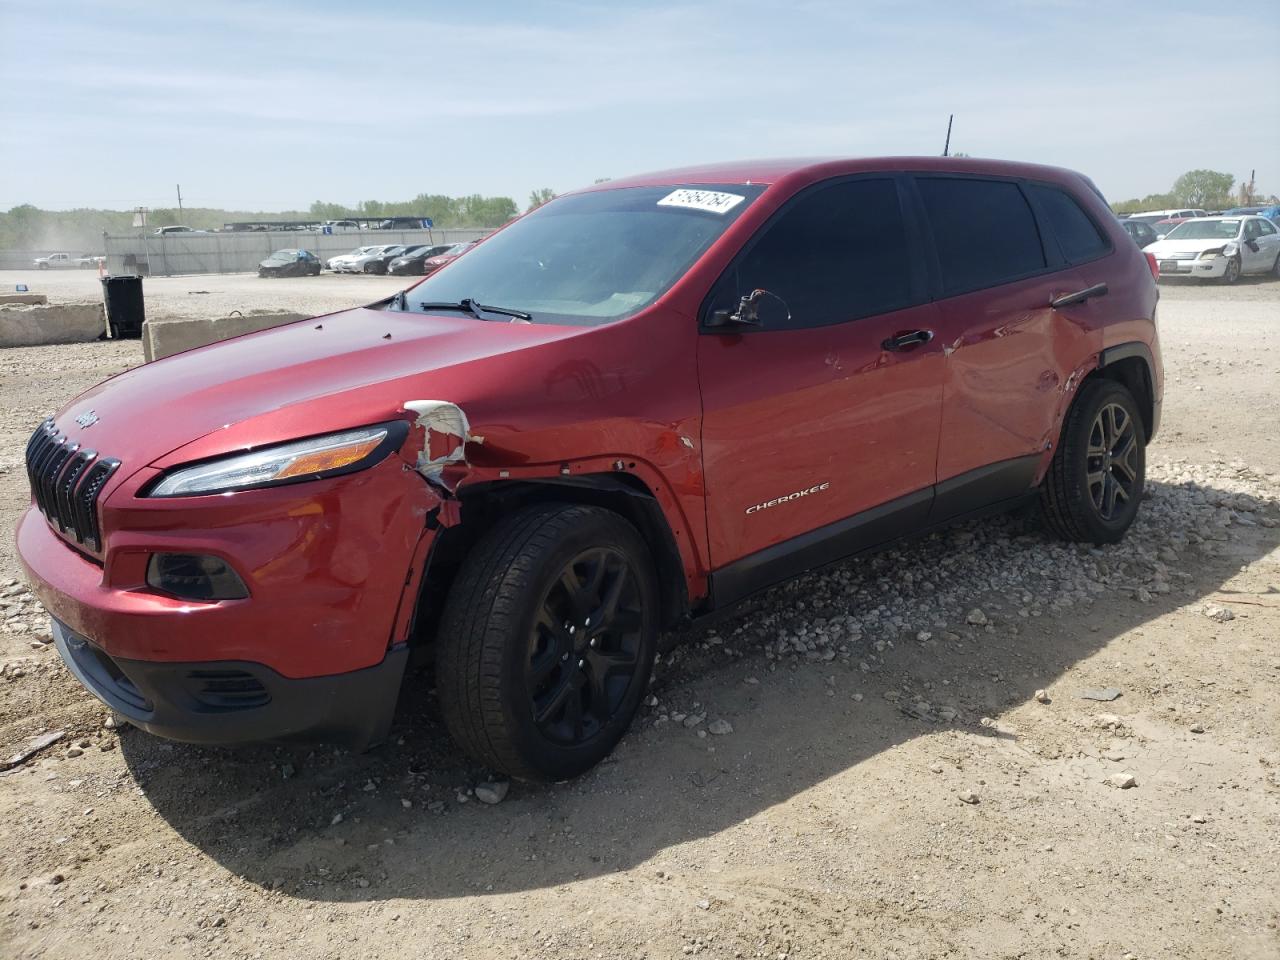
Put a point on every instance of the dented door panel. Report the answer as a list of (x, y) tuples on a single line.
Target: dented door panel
[(1010, 360)]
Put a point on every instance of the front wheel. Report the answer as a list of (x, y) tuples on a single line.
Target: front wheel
[(1232, 273), (547, 641), (1096, 479)]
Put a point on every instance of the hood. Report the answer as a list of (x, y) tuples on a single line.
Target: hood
[(304, 378), (1169, 247)]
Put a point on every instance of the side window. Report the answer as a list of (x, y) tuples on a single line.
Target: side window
[(1251, 231), (984, 232), (1265, 227), (1078, 236), (837, 253)]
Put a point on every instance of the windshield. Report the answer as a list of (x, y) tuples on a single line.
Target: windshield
[(1205, 230), (591, 258), (284, 255)]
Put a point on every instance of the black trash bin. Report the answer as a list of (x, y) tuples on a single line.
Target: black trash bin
[(123, 299)]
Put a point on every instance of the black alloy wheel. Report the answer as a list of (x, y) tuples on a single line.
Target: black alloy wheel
[(1112, 477), (547, 640), (1095, 481), (584, 646)]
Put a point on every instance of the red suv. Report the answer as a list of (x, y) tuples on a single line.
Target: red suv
[(641, 402)]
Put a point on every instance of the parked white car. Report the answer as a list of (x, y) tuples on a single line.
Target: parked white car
[(176, 228), (1222, 248), (364, 264), (355, 261), (339, 264), (1153, 216), (54, 261)]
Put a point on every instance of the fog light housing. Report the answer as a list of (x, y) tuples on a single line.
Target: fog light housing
[(194, 577)]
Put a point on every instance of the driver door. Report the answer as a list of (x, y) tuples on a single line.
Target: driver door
[(820, 428)]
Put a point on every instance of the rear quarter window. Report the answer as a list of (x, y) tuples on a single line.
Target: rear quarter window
[(984, 232), (1078, 236)]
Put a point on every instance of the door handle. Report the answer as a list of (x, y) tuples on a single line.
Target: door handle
[(1080, 296), (905, 341)]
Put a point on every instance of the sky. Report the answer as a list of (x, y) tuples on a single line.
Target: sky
[(270, 106)]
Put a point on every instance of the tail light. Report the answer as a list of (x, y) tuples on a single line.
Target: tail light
[(1154, 265)]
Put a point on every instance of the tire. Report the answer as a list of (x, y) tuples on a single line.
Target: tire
[(508, 647), (368, 268), (44, 266), (1096, 478), (1233, 271), (1275, 268)]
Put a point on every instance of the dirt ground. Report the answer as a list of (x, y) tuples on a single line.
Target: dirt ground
[(892, 786)]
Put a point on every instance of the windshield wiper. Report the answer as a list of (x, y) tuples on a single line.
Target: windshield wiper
[(477, 310)]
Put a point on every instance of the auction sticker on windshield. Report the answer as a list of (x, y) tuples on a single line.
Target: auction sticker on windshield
[(712, 201)]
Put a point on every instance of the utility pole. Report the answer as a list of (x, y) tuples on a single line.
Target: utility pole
[(946, 149), (180, 216)]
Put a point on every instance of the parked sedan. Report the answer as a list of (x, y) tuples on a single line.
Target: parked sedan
[(432, 264), (359, 263), (1222, 248), (1143, 233), (410, 262), (290, 263), (339, 263), (378, 264)]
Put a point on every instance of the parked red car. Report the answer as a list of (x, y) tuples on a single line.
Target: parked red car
[(432, 264), (641, 402)]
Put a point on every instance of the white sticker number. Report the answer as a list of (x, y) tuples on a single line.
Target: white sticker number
[(712, 201)]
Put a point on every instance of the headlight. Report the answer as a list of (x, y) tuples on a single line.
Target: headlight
[(1211, 254), (330, 455)]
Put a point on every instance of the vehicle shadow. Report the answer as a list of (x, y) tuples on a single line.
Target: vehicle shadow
[(327, 825)]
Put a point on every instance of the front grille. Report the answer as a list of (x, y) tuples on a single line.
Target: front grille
[(1184, 256), (66, 481)]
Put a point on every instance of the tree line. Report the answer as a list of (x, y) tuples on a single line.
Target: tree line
[(1202, 189)]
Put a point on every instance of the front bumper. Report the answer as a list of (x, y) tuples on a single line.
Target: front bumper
[(1194, 268), (226, 702)]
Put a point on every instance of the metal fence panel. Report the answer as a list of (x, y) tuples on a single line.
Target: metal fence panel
[(179, 254)]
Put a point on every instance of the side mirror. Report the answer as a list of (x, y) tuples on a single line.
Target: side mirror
[(759, 308), (1160, 236)]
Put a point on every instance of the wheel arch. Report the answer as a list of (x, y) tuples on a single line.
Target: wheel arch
[(1132, 365), (483, 504)]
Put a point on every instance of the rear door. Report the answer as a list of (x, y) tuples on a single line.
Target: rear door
[(823, 415), (1009, 353)]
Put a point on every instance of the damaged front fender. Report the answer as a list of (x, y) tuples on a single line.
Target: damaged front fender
[(447, 434)]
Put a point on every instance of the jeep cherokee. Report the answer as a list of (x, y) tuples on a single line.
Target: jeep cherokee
[(641, 402)]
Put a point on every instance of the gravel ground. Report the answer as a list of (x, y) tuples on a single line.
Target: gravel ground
[(895, 757)]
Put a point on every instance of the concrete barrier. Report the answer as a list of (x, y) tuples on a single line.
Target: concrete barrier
[(33, 325), (163, 338), (27, 298)]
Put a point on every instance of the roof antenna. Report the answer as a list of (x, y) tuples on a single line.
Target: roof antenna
[(946, 149)]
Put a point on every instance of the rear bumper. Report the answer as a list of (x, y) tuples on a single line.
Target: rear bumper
[(226, 702)]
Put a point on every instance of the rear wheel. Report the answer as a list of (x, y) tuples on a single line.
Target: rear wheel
[(1275, 267), (547, 641), (1096, 479)]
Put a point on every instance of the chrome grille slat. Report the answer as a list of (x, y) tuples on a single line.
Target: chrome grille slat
[(66, 482)]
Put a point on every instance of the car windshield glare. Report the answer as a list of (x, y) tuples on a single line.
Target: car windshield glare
[(1205, 230), (591, 258)]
